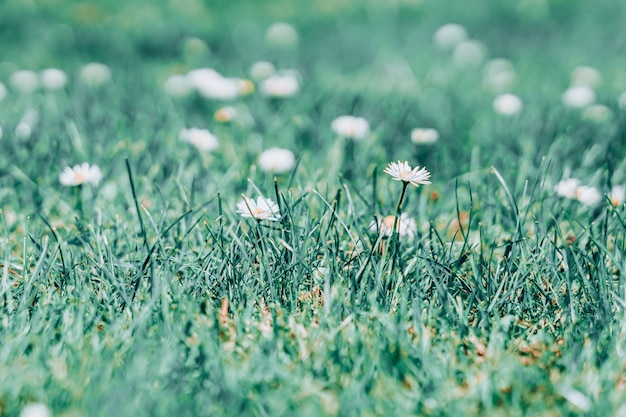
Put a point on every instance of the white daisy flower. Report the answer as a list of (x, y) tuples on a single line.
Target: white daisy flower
[(281, 34), (177, 86), (53, 79), (351, 127), (469, 53), (402, 171), (508, 104), (578, 96), (424, 136), (588, 195), (277, 160), (567, 188), (617, 195), (261, 70), (95, 74), (385, 226), (225, 114), (284, 84), (24, 81), (80, 174), (36, 410), (449, 35), (261, 209), (219, 88), (23, 131), (584, 75), (202, 139)]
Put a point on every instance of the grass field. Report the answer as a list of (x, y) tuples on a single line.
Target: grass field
[(148, 285)]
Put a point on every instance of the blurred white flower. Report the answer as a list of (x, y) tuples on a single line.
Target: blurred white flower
[(385, 227), (245, 86), (283, 84), (469, 53), (597, 113), (219, 89), (579, 96), (23, 131), (449, 35), (281, 34), (424, 136), (261, 209), (36, 410), (261, 70), (351, 127), (225, 114), (617, 195), (567, 187), (177, 86), (508, 104), (588, 195), (402, 171), (194, 48), (80, 174), (498, 75), (24, 81), (199, 76), (3, 91), (277, 160), (584, 75), (95, 74), (621, 100), (53, 79), (202, 139)]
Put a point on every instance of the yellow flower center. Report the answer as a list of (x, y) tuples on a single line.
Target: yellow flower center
[(79, 177)]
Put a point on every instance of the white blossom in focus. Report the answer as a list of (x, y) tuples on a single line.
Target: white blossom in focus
[(402, 171)]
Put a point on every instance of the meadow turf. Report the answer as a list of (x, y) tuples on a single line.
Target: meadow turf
[(149, 295)]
